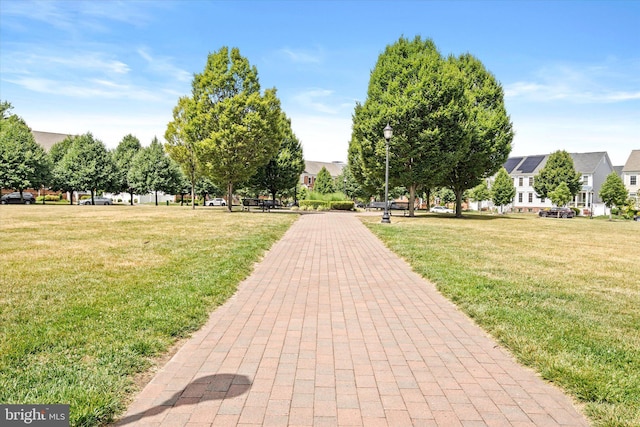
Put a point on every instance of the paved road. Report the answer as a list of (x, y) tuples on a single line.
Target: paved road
[(334, 329)]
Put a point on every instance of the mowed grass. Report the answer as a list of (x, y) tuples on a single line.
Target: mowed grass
[(90, 295), (562, 295)]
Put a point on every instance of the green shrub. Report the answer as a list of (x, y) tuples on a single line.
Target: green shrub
[(344, 205), (576, 211), (312, 204)]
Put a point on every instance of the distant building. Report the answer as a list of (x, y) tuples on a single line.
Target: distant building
[(593, 168), (48, 139), (631, 175), (311, 169)]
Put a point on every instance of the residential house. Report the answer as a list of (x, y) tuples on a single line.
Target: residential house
[(593, 168), (631, 175), (311, 169)]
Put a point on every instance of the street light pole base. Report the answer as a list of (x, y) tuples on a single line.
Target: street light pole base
[(385, 218)]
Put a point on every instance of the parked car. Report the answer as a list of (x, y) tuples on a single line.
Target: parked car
[(557, 212), (441, 209), (218, 201), (27, 198), (97, 201)]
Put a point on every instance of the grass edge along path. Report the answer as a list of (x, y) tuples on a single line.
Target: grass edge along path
[(98, 293), (561, 295)]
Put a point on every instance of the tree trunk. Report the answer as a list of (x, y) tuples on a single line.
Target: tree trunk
[(458, 203), (193, 196), (156, 193), (131, 195), (412, 199), (229, 195)]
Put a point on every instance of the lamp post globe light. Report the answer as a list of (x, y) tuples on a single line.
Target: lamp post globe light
[(388, 133)]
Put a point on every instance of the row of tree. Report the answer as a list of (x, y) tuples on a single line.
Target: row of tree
[(226, 134)]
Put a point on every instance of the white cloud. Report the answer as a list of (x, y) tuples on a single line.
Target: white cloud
[(302, 56), (323, 138), (163, 65), (579, 84)]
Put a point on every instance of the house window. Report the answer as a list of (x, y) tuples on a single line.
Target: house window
[(530, 197), (633, 180), (520, 181), (542, 199), (519, 197), (530, 181), (585, 179)]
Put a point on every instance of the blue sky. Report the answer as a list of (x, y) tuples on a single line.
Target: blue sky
[(570, 69)]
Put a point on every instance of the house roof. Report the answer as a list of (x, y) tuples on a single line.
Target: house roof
[(588, 162), (633, 162), (618, 170), (525, 164), (334, 168), (48, 139)]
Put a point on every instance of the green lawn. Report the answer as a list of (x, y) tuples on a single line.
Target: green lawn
[(90, 295), (562, 295)]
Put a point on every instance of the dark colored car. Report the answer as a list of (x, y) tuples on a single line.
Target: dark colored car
[(27, 198), (557, 212)]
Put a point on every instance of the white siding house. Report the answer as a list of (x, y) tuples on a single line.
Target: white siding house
[(631, 175)]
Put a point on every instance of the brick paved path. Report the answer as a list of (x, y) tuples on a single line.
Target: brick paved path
[(334, 329)]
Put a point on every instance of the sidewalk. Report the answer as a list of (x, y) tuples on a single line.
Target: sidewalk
[(334, 329)]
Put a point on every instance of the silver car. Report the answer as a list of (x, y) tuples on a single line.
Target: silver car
[(97, 201), (440, 209)]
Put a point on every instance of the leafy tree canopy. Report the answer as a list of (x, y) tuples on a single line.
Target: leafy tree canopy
[(234, 128), (613, 192), (324, 182), (558, 169), (86, 165), (23, 162), (502, 191), (282, 172), (561, 195), (152, 170), (122, 157)]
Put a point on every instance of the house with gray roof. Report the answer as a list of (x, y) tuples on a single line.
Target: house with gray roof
[(48, 139), (631, 175), (311, 169), (593, 167)]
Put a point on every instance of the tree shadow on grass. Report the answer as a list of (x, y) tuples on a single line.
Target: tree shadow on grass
[(210, 387)]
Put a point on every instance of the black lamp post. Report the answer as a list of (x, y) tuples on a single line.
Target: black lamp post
[(388, 133)]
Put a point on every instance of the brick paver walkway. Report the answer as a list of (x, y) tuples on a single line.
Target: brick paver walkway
[(334, 329)]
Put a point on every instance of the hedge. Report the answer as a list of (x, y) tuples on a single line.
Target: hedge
[(345, 205)]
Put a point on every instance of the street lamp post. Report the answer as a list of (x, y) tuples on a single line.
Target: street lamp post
[(388, 133)]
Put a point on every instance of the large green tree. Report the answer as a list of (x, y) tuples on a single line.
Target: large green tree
[(479, 193), (153, 171), (450, 127), (234, 127), (481, 132), (502, 190), (407, 90), (122, 157), (282, 173), (87, 165), (613, 192), (559, 168), (23, 162)]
